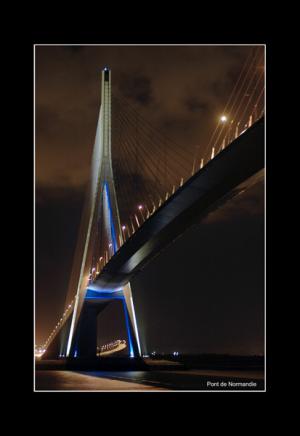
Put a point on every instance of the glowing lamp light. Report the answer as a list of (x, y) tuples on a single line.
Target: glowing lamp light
[(123, 227), (140, 207), (223, 119)]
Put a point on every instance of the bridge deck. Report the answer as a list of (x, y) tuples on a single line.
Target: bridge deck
[(235, 164)]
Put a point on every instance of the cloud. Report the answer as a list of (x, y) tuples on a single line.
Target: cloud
[(180, 90), (136, 87), (194, 104)]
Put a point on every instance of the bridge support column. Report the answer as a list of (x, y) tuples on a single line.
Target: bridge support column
[(85, 344), (131, 312)]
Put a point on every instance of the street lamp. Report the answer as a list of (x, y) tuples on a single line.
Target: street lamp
[(123, 231), (140, 208)]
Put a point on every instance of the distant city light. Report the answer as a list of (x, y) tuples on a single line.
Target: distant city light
[(140, 207), (39, 351), (223, 119)]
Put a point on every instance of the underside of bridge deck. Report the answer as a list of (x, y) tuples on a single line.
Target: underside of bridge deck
[(234, 165)]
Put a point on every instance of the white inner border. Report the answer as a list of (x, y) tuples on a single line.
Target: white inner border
[(265, 212)]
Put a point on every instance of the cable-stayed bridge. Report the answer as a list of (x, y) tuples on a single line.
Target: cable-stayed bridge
[(144, 191)]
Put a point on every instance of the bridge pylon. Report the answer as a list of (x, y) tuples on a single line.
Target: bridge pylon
[(101, 211)]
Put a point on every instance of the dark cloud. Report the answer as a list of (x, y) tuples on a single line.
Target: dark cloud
[(193, 104), (47, 120), (217, 88), (136, 87), (175, 126)]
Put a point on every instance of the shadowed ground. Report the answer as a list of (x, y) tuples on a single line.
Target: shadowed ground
[(149, 380), (74, 381)]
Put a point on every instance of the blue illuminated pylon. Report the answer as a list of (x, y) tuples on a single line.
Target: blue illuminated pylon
[(111, 222), (101, 197), (115, 295)]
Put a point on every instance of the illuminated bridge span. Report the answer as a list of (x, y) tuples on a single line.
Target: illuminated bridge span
[(144, 191), (111, 348)]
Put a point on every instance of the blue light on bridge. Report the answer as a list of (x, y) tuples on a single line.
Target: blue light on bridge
[(107, 293), (112, 228), (131, 352), (110, 294), (98, 290)]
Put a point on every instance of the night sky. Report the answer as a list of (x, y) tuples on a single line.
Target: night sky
[(214, 302)]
